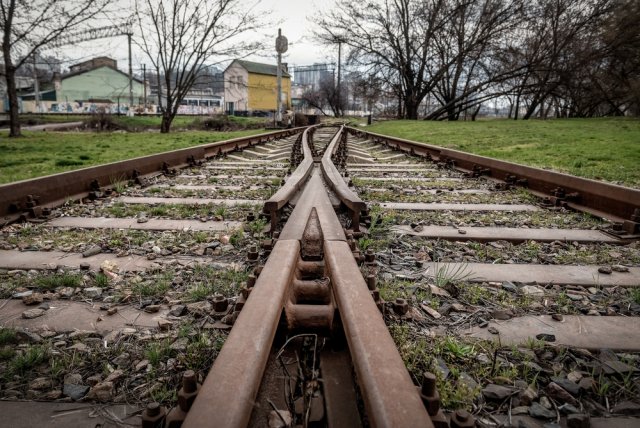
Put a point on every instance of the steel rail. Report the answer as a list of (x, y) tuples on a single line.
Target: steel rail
[(390, 398), (54, 190), (389, 395), (337, 184), (227, 396), (240, 366), (293, 184), (603, 199)]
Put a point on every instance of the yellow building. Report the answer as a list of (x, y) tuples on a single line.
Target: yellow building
[(252, 86)]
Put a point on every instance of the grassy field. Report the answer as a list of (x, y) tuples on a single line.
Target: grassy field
[(43, 153), (602, 149)]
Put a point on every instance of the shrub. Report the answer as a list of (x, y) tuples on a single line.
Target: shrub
[(103, 121)]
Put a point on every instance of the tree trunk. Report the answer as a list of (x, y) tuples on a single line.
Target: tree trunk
[(475, 113), (452, 113), (411, 111), (165, 125), (12, 93), (14, 112)]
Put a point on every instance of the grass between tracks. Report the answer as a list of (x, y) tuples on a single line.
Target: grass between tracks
[(603, 149), (43, 153)]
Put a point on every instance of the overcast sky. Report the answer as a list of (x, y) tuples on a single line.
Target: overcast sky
[(294, 20)]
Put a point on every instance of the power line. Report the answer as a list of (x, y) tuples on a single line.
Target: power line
[(92, 34)]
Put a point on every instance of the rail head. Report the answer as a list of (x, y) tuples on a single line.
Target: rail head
[(335, 181), (293, 185), (390, 397)]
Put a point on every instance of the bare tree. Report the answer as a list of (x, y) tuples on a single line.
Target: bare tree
[(465, 51), (430, 46), (552, 47), (179, 36), (395, 35), (30, 25), (326, 96), (368, 89)]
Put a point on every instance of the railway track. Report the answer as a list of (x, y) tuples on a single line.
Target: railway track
[(492, 293)]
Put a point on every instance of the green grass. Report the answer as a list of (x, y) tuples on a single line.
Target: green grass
[(603, 149), (51, 282), (43, 153), (7, 336), (157, 352), (209, 281), (28, 359)]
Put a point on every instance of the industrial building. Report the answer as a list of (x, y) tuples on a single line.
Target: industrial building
[(88, 86)]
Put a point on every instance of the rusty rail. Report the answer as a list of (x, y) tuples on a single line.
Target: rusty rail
[(607, 200), (293, 185), (28, 197), (337, 184), (313, 243), (227, 396), (390, 398)]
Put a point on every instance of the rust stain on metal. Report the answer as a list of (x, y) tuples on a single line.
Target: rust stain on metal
[(312, 238)]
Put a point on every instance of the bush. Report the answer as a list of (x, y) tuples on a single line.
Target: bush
[(103, 121), (225, 123), (218, 123)]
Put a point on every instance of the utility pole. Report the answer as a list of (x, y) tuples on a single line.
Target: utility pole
[(282, 44), (159, 109), (36, 85), (339, 109), (144, 81), (130, 76)]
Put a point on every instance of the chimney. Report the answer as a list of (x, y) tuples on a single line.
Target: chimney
[(285, 67)]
